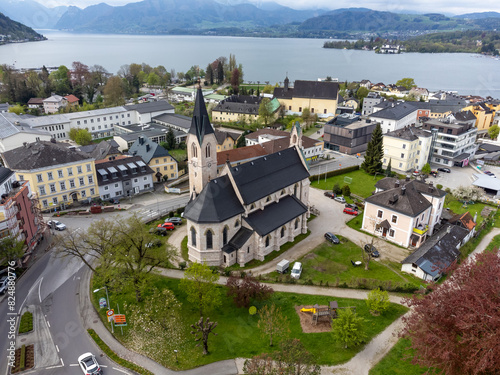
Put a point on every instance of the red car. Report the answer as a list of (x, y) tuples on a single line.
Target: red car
[(350, 211), (167, 226)]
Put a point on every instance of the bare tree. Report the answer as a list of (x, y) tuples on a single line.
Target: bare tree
[(203, 329), (273, 323)]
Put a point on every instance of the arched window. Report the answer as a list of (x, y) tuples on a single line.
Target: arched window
[(194, 150), (296, 223), (209, 236), (295, 189), (193, 236), (282, 232), (252, 206), (237, 224), (268, 198), (268, 238), (283, 191), (224, 236), (207, 151), (294, 139)]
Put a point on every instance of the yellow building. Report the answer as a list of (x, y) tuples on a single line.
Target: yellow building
[(321, 97), (225, 140), (407, 149), (58, 174), (484, 115), (242, 108), (156, 157)]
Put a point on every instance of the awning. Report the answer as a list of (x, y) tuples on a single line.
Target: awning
[(461, 157), (385, 224), (414, 238)]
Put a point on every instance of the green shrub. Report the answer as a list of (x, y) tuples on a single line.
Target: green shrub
[(439, 186), (182, 265), (26, 323), (180, 210), (22, 359)]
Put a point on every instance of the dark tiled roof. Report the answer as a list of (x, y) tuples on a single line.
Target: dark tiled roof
[(5, 173), (391, 183), (216, 202), (200, 123), (245, 104), (396, 111), (309, 89), (36, 101), (238, 240), (464, 116), (268, 174), (440, 251), (147, 149), (173, 119), (404, 199), (240, 154), (409, 133), (222, 135), (160, 105), (275, 215), (41, 155), (489, 147), (102, 149), (141, 170)]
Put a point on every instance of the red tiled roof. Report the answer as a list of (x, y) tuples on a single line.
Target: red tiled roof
[(242, 153), (71, 99)]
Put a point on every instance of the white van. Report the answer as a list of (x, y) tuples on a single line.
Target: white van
[(296, 270)]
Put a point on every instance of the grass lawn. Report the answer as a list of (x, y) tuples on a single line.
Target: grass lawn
[(312, 130), (238, 335), (494, 244), (184, 249), (332, 263), (26, 323), (459, 208), (362, 183), (178, 154), (394, 362)]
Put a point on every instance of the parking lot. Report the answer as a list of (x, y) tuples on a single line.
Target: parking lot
[(458, 176)]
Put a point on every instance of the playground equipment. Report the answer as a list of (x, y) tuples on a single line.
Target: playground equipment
[(329, 311), (313, 310)]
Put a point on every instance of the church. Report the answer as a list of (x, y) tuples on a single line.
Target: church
[(249, 210)]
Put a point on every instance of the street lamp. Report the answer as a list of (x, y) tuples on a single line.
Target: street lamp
[(109, 306)]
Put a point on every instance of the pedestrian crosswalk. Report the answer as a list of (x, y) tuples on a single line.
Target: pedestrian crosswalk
[(147, 213)]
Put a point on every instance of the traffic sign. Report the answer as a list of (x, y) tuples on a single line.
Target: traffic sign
[(120, 320), (110, 314), (102, 302)]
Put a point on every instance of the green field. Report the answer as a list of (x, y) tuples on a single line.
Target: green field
[(460, 208), (362, 183), (238, 335)]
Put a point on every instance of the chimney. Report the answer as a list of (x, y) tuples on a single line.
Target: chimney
[(407, 178), (147, 148), (448, 229), (403, 190), (141, 140), (396, 184)]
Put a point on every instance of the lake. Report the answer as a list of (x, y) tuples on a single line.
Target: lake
[(263, 59)]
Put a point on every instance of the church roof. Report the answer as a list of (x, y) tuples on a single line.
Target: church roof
[(268, 174), (275, 215), (216, 202), (200, 123)]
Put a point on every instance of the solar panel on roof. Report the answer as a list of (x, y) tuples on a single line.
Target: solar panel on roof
[(131, 165), (102, 172), (122, 168), (140, 163), (112, 169)]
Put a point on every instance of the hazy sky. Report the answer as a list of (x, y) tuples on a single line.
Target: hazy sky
[(420, 6)]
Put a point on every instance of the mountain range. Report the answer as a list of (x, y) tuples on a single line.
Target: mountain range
[(237, 18), (12, 31)]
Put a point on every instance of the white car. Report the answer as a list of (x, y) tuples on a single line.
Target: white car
[(57, 225), (296, 270), (89, 364), (339, 199)]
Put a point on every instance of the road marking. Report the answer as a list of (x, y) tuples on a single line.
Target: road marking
[(39, 287), (73, 364), (51, 367), (57, 348), (48, 323), (62, 362), (117, 369)]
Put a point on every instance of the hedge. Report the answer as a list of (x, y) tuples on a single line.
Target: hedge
[(337, 172), (26, 324)]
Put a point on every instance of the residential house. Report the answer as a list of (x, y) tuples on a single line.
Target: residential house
[(394, 115), (54, 103), (248, 211), (72, 100), (35, 103), (465, 221), (466, 117), (378, 87), (423, 109), (445, 103), (403, 211), (348, 133), (123, 176), (102, 150), (225, 140), (370, 101), (351, 102), (13, 133), (321, 98), (390, 49), (433, 258), (156, 157), (484, 115), (419, 93), (243, 108), (58, 175), (453, 144), (366, 83), (407, 149)]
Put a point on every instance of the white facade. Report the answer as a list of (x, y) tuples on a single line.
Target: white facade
[(389, 125)]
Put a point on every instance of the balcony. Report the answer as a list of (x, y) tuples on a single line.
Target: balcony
[(421, 230)]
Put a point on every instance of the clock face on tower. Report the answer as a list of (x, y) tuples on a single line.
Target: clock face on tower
[(194, 164), (209, 165)]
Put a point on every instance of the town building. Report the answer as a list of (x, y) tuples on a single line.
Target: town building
[(407, 149), (404, 212), (453, 144), (394, 115), (54, 103), (466, 117), (156, 157), (225, 140), (13, 133), (484, 115), (370, 101), (348, 133), (249, 210), (58, 175), (72, 100), (102, 150), (123, 176), (321, 97), (244, 108), (445, 103), (35, 103), (238, 156)]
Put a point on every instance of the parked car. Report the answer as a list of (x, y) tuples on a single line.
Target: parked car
[(282, 266), (57, 225), (416, 173), (167, 226), (351, 205), (372, 250), (296, 270), (174, 220), (3, 284), (340, 199), (330, 237), (329, 194), (446, 170), (350, 211), (114, 201), (491, 174), (159, 231), (434, 173), (89, 364)]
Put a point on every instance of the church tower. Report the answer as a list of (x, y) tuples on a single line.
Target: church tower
[(296, 136), (201, 147)]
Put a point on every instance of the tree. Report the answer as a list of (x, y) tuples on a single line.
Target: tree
[(347, 328), (265, 110), (308, 118), (388, 170), (210, 74), (468, 193), (407, 83), (246, 290), (456, 328), (493, 131), (11, 249), (170, 139), (220, 72), (200, 285), (346, 191), (157, 322), (426, 169), (60, 80), (272, 323), (374, 152), (241, 141), (203, 329), (378, 301), (80, 136), (235, 80), (114, 93)]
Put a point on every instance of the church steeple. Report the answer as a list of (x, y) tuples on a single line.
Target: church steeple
[(296, 136), (201, 147), (286, 83)]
